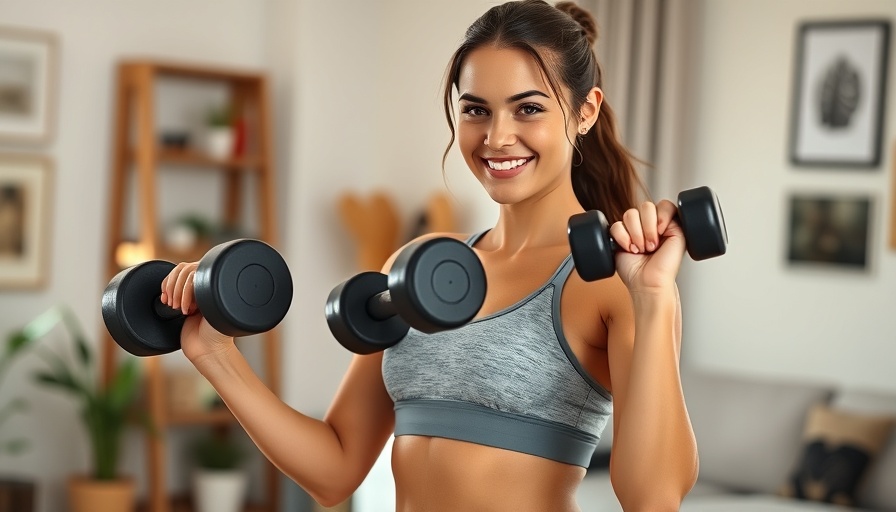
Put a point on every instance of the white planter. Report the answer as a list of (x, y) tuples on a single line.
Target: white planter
[(219, 142), (219, 491)]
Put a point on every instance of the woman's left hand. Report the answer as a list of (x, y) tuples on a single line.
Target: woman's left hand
[(651, 246)]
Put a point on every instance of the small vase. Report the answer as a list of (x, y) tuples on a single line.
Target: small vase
[(219, 491), (219, 142), (89, 495)]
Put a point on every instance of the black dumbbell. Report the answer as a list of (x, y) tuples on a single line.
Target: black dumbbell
[(432, 286), (699, 214), (241, 287)]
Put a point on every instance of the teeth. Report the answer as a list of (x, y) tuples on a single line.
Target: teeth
[(506, 165)]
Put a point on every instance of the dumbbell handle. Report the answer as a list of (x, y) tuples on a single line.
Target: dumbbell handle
[(380, 306), (164, 311)]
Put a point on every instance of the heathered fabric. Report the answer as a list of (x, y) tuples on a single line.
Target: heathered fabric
[(507, 380)]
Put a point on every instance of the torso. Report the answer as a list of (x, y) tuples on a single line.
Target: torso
[(435, 474)]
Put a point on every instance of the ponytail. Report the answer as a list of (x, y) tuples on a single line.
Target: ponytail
[(605, 178)]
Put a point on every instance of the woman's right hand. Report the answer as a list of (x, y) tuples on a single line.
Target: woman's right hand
[(198, 338)]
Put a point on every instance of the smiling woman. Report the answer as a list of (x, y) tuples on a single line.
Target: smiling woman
[(503, 413)]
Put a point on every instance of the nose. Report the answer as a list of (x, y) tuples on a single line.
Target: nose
[(500, 134)]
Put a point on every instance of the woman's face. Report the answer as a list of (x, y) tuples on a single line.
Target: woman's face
[(511, 129)]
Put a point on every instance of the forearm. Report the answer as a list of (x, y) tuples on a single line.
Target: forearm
[(306, 449), (655, 453)]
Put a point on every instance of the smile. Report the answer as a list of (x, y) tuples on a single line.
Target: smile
[(506, 168)]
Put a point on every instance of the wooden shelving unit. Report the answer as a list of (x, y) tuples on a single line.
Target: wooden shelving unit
[(138, 155)]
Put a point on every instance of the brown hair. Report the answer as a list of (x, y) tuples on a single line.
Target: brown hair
[(561, 40)]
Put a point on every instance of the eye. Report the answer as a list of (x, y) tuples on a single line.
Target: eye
[(530, 109), (474, 110)]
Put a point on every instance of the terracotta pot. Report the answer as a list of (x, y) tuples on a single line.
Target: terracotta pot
[(88, 495)]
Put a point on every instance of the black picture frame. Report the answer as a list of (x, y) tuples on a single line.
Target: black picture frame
[(830, 229), (839, 93)]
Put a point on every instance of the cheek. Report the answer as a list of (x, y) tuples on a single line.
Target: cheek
[(469, 139)]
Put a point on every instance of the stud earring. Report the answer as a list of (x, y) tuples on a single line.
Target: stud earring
[(583, 130)]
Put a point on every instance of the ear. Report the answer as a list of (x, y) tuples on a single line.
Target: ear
[(591, 108)]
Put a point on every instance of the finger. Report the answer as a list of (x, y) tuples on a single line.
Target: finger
[(621, 236), (647, 211), (631, 220), (169, 284), (665, 214), (186, 302), (179, 286)]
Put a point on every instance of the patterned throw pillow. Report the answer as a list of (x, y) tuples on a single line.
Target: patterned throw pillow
[(838, 450)]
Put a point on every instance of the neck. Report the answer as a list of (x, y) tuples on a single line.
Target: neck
[(536, 222)]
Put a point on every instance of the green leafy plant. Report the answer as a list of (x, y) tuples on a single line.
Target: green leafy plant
[(104, 408), (16, 344), (216, 451), (219, 116)]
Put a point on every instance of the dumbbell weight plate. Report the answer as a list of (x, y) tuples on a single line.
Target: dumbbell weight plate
[(243, 287), (700, 215), (437, 284), (352, 324), (130, 305), (593, 251)]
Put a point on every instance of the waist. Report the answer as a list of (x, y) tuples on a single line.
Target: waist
[(481, 425), (446, 475)]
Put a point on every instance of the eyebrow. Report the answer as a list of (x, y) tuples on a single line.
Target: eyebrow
[(512, 99)]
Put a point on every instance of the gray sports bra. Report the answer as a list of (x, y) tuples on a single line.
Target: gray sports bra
[(508, 380)]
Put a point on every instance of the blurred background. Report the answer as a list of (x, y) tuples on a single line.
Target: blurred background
[(708, 91)]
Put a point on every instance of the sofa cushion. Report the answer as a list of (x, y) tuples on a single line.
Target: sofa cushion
[(838, 449), (757, 503), (879, 492), (748, 429)]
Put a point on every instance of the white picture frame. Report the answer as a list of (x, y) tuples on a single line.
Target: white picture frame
[(25, 210), (839, 93), (28, 70)]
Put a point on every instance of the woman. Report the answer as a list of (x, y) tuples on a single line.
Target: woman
[(502, 414)]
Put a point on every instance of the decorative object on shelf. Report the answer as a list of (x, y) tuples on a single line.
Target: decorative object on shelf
[(831, 230), (175, 139), (104, 411), (219, 133), (374, 224), (24, 220), (839, 93), (188, 231), (27, 85), (219, 480)]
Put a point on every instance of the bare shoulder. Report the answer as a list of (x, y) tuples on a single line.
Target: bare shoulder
[(422, 238)]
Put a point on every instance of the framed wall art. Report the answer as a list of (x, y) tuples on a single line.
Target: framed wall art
[(27, 85), (839, 93), (829, 230), (25, 201)]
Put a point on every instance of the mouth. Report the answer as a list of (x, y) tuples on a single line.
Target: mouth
[(504, 168)]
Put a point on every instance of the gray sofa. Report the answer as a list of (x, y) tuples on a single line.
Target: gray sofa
[(750, 437)]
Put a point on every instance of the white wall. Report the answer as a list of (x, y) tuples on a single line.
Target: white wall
[(93, 34), (749, 311)]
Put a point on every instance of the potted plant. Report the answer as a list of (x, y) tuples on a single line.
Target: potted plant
[(219, 480), (15, 493), (219, 134), (104, 411)]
